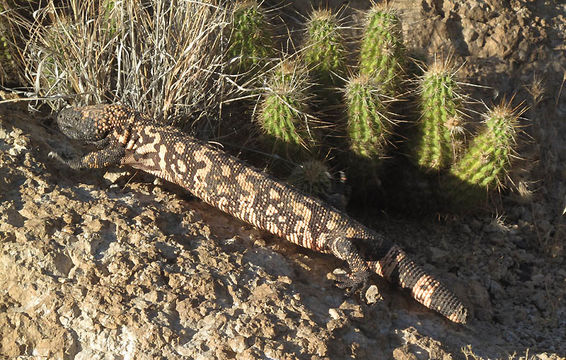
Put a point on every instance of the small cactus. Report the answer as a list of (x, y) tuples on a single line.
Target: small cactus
[(250, 42), (324, 49), (282, 114), (440, 129), (7, 63), (381, 52), (369, 126), (486, 162), (107, 11), (312, 177)]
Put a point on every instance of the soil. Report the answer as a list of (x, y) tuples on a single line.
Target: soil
[(117, 264)]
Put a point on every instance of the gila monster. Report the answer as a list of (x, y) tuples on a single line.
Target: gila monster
[(124, 136)]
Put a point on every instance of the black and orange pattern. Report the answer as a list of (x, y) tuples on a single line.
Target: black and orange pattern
[(126, 137)]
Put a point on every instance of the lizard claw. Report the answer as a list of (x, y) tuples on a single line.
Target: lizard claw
[(73, 163), (353, 282), (56, 156)]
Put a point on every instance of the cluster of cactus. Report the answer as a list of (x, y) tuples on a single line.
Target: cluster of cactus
[(369, 95), (295, 90), (438, 145), (320, 66), (467, 173)]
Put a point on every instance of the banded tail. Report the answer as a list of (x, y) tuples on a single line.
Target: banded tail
[(397, 268)]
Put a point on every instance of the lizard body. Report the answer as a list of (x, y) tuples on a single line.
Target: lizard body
[(126, 137)]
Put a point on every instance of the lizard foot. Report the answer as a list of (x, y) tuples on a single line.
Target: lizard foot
[(56, 156), (353, 282)]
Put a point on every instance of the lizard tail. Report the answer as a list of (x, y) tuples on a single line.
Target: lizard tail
[(398, 268)]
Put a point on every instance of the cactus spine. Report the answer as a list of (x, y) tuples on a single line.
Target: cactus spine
[(324, 49), (368, 124), (250, 43), (487, 161), (440, 129), (381, 52)]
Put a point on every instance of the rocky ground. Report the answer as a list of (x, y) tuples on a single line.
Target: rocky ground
[(116, 264)]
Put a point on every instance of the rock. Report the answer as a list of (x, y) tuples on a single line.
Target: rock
[(496, 290), (402, 353), (113, 176), (540, 301), (373, 295), (479, 297)]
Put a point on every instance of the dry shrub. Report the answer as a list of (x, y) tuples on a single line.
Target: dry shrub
[(165, 58)]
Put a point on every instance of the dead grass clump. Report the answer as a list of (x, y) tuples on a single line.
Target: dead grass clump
[(165, 58)]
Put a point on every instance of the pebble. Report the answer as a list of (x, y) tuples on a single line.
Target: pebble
[(496, 290), (539, 299), (373, 295), (334, 314)]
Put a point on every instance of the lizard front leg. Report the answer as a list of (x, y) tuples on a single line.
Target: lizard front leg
[(344, 249), (110, 155)]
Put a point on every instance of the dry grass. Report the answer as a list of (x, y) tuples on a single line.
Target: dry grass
[(165, 58)]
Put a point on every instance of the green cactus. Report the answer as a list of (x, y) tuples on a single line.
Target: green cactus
[(107, 11), (381, 52), (312, 177), (283, 113), (7, 63), (368, 124), (324, 50), (486, 162), (440, 129), (5, 56), (250, 42)]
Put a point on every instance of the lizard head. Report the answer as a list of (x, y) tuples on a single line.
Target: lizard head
[(91, 123)]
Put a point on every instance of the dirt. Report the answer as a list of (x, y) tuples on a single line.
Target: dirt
[(117, 264)]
